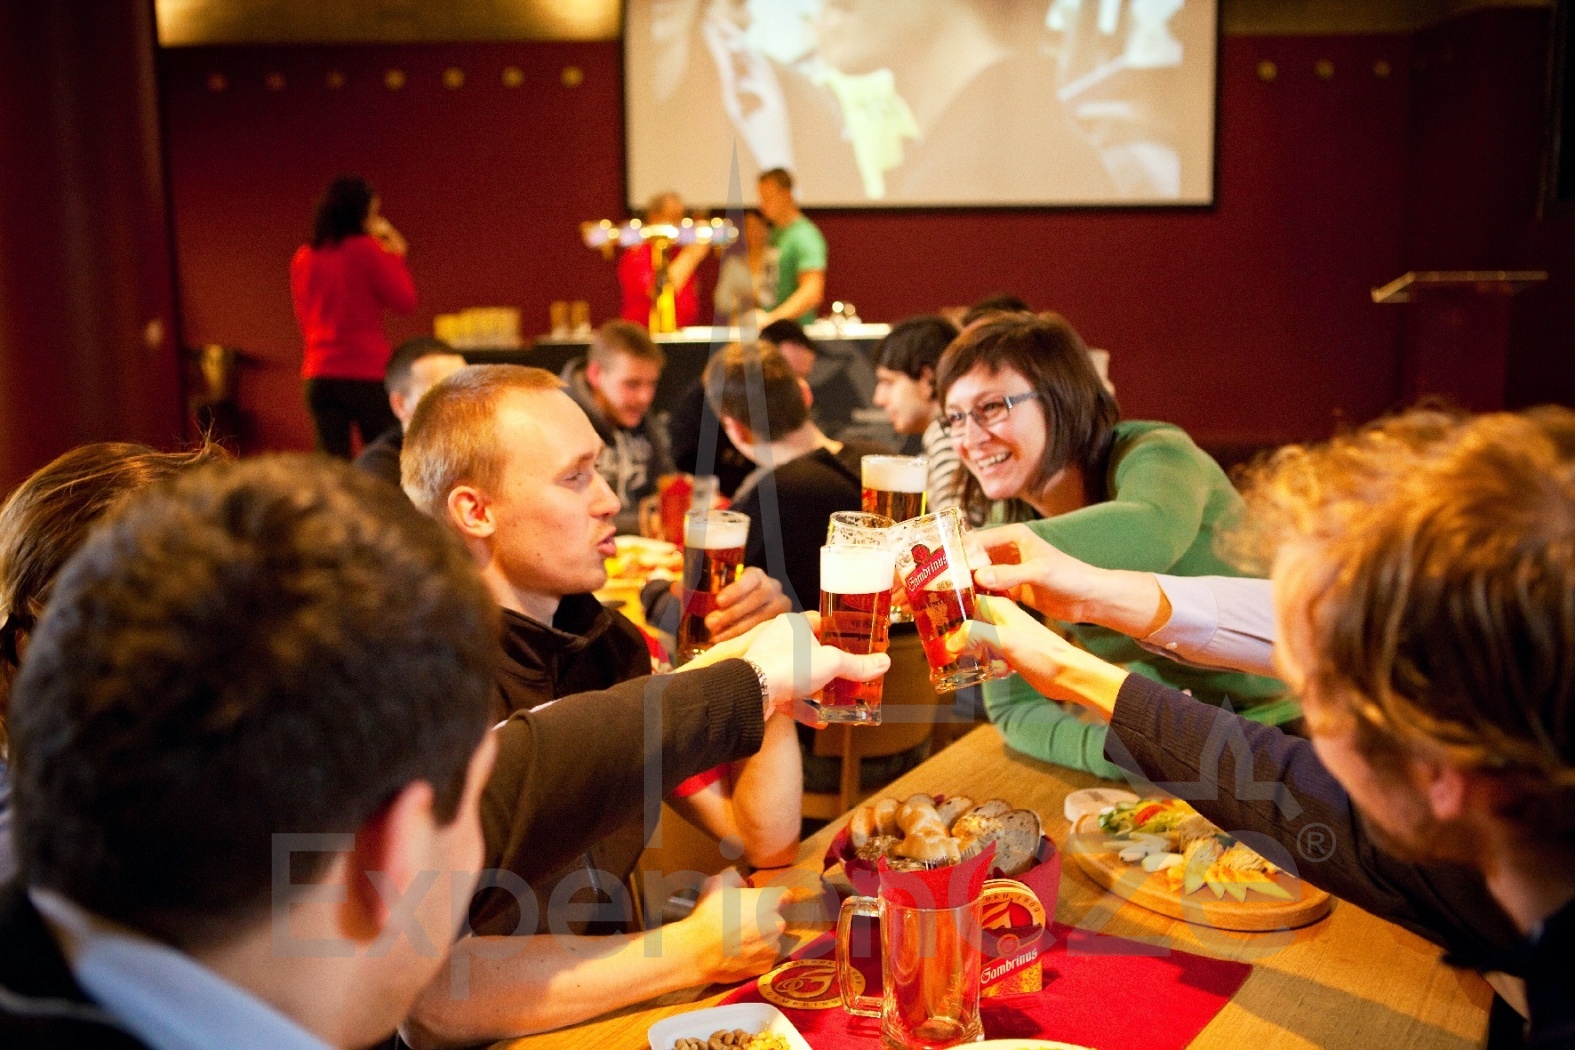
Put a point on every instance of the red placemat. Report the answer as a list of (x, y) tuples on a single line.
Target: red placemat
[(1104, 992)]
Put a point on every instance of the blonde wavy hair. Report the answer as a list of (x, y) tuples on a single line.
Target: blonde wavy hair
[(1435, 558)]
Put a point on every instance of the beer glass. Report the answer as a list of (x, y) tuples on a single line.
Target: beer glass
[(855, 616), (934, 570), (851, 528), (931, 963), (713, 558), (895, 485)]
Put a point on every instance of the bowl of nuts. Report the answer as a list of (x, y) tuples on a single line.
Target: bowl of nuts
[(742, 1026)]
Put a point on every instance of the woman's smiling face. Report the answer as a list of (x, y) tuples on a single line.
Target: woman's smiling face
[(1006, 456)]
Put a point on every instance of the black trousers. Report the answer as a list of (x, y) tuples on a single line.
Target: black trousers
[(337, 403)]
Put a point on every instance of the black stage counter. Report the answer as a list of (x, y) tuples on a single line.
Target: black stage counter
[(843, 381)]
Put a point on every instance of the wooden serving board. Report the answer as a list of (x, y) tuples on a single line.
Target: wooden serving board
[(1257, 914)]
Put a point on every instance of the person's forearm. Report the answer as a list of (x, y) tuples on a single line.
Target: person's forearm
[(1123, 600), (1043, 729), (516, 986), (684, 265), (768, 797), (805, 297)]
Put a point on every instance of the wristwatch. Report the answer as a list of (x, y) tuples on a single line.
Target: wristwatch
[(765, 683)]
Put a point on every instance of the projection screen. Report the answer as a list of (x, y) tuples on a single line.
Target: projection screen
[(904, 103)]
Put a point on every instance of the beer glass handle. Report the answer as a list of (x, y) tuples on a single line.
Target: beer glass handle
[(858, 1005)]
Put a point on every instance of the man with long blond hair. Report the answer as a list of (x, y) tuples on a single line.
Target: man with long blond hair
[(1423, 575)]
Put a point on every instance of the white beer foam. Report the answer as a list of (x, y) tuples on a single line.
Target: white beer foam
[(896, 473), (856, 570), (705, 534)]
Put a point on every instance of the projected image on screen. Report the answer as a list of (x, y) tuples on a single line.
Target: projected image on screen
[(916, 102)]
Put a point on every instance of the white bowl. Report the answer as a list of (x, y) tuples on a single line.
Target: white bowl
[(699, 1024)]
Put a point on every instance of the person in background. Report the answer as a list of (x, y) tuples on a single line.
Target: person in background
[(999, 303), (803, 477), (747, 279), (42, 523), (637, 276), (905, 389), (1421, 579), (615, 385), (800, 252), (1032, 422), (835, 395), (504, 459), (416, 365), (340, 283)]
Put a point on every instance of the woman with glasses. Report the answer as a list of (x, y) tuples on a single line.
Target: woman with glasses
[(1033, 424)]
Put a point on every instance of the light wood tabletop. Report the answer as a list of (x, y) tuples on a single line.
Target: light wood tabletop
[(1350, 980)]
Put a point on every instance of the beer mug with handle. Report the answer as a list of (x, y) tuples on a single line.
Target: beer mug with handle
[(931, 955)]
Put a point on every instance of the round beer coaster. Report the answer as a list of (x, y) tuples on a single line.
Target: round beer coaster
[(806, 984)]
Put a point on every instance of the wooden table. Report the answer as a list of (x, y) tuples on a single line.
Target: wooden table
[(1351, 980)]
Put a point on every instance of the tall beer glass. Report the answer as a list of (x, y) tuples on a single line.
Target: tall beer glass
[(713, 558), (895, 485), (851, 528), (934, 570), (855, 616)]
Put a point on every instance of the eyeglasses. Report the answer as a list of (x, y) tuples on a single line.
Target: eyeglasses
[(992, 413)]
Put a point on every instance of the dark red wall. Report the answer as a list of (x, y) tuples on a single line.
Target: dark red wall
[(1248, 322)]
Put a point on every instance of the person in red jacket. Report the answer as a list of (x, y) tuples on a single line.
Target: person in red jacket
[(341, 283), (637, 277)]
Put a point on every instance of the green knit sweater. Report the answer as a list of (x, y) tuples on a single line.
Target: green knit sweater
[(1166, 502)]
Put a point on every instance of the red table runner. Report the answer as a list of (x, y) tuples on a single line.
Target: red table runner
[(1099, 991)]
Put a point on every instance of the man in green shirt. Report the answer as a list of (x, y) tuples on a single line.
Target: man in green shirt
[(800, 248)]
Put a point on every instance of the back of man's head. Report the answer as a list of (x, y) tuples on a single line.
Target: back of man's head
[(397, 379), (756, 387), (915, 344), (255, 649), (618, 339), (1429, 566), (990, 305), (452, 438), (787, 332), (778, 177)]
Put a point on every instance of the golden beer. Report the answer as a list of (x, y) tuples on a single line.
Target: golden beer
[(855, 616), (935, 573), (713, 559), (895, 486)]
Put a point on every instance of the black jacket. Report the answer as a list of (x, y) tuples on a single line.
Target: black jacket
[(41, 1005), (789, 509), (585, 648), (380, 457), (573, 772), (1256, 780)]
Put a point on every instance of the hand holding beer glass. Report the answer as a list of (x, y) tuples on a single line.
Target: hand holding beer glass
[(713, 558), (855, 616), (933, 564)]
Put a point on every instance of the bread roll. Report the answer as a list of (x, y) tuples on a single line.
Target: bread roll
[(919, 812), (886, 817), (862, 827), (933, 849)]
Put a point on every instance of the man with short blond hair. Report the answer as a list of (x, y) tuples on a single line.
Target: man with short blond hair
[(615, 385), (507, 460)]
